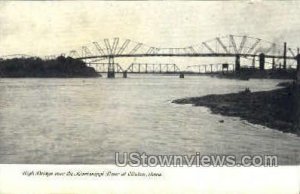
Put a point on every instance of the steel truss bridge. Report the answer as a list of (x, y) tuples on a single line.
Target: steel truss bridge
[(210, 68), (234, 46), (153, 68), (227, 46)]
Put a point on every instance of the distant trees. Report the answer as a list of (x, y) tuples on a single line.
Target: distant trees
[(36, 67)]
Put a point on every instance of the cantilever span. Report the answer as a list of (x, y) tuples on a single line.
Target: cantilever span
[(184, 55), (234, 46), (225, 46)]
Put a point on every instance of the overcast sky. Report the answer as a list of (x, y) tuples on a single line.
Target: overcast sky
[(41, 28)]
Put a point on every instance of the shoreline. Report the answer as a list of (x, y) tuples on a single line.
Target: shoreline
[(277, 109), (61, 67)]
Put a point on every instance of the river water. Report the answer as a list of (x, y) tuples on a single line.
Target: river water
[(64, 121)]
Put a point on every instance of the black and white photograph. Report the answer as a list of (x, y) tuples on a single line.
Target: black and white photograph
[(148, 85)]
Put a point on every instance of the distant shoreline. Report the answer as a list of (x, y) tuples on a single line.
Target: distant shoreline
[(277, 109), (61, 67)]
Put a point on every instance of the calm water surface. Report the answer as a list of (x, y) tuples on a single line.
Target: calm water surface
[(64, 121)]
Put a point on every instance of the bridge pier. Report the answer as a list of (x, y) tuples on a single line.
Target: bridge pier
[(125, 74), (273, 63), (262, 62), (111, 68), (110, 74), (253, 62), (181, 75), (237, 63), (225, 66)]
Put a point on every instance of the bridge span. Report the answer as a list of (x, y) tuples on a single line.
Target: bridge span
[(230, 46), (102, 54)]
